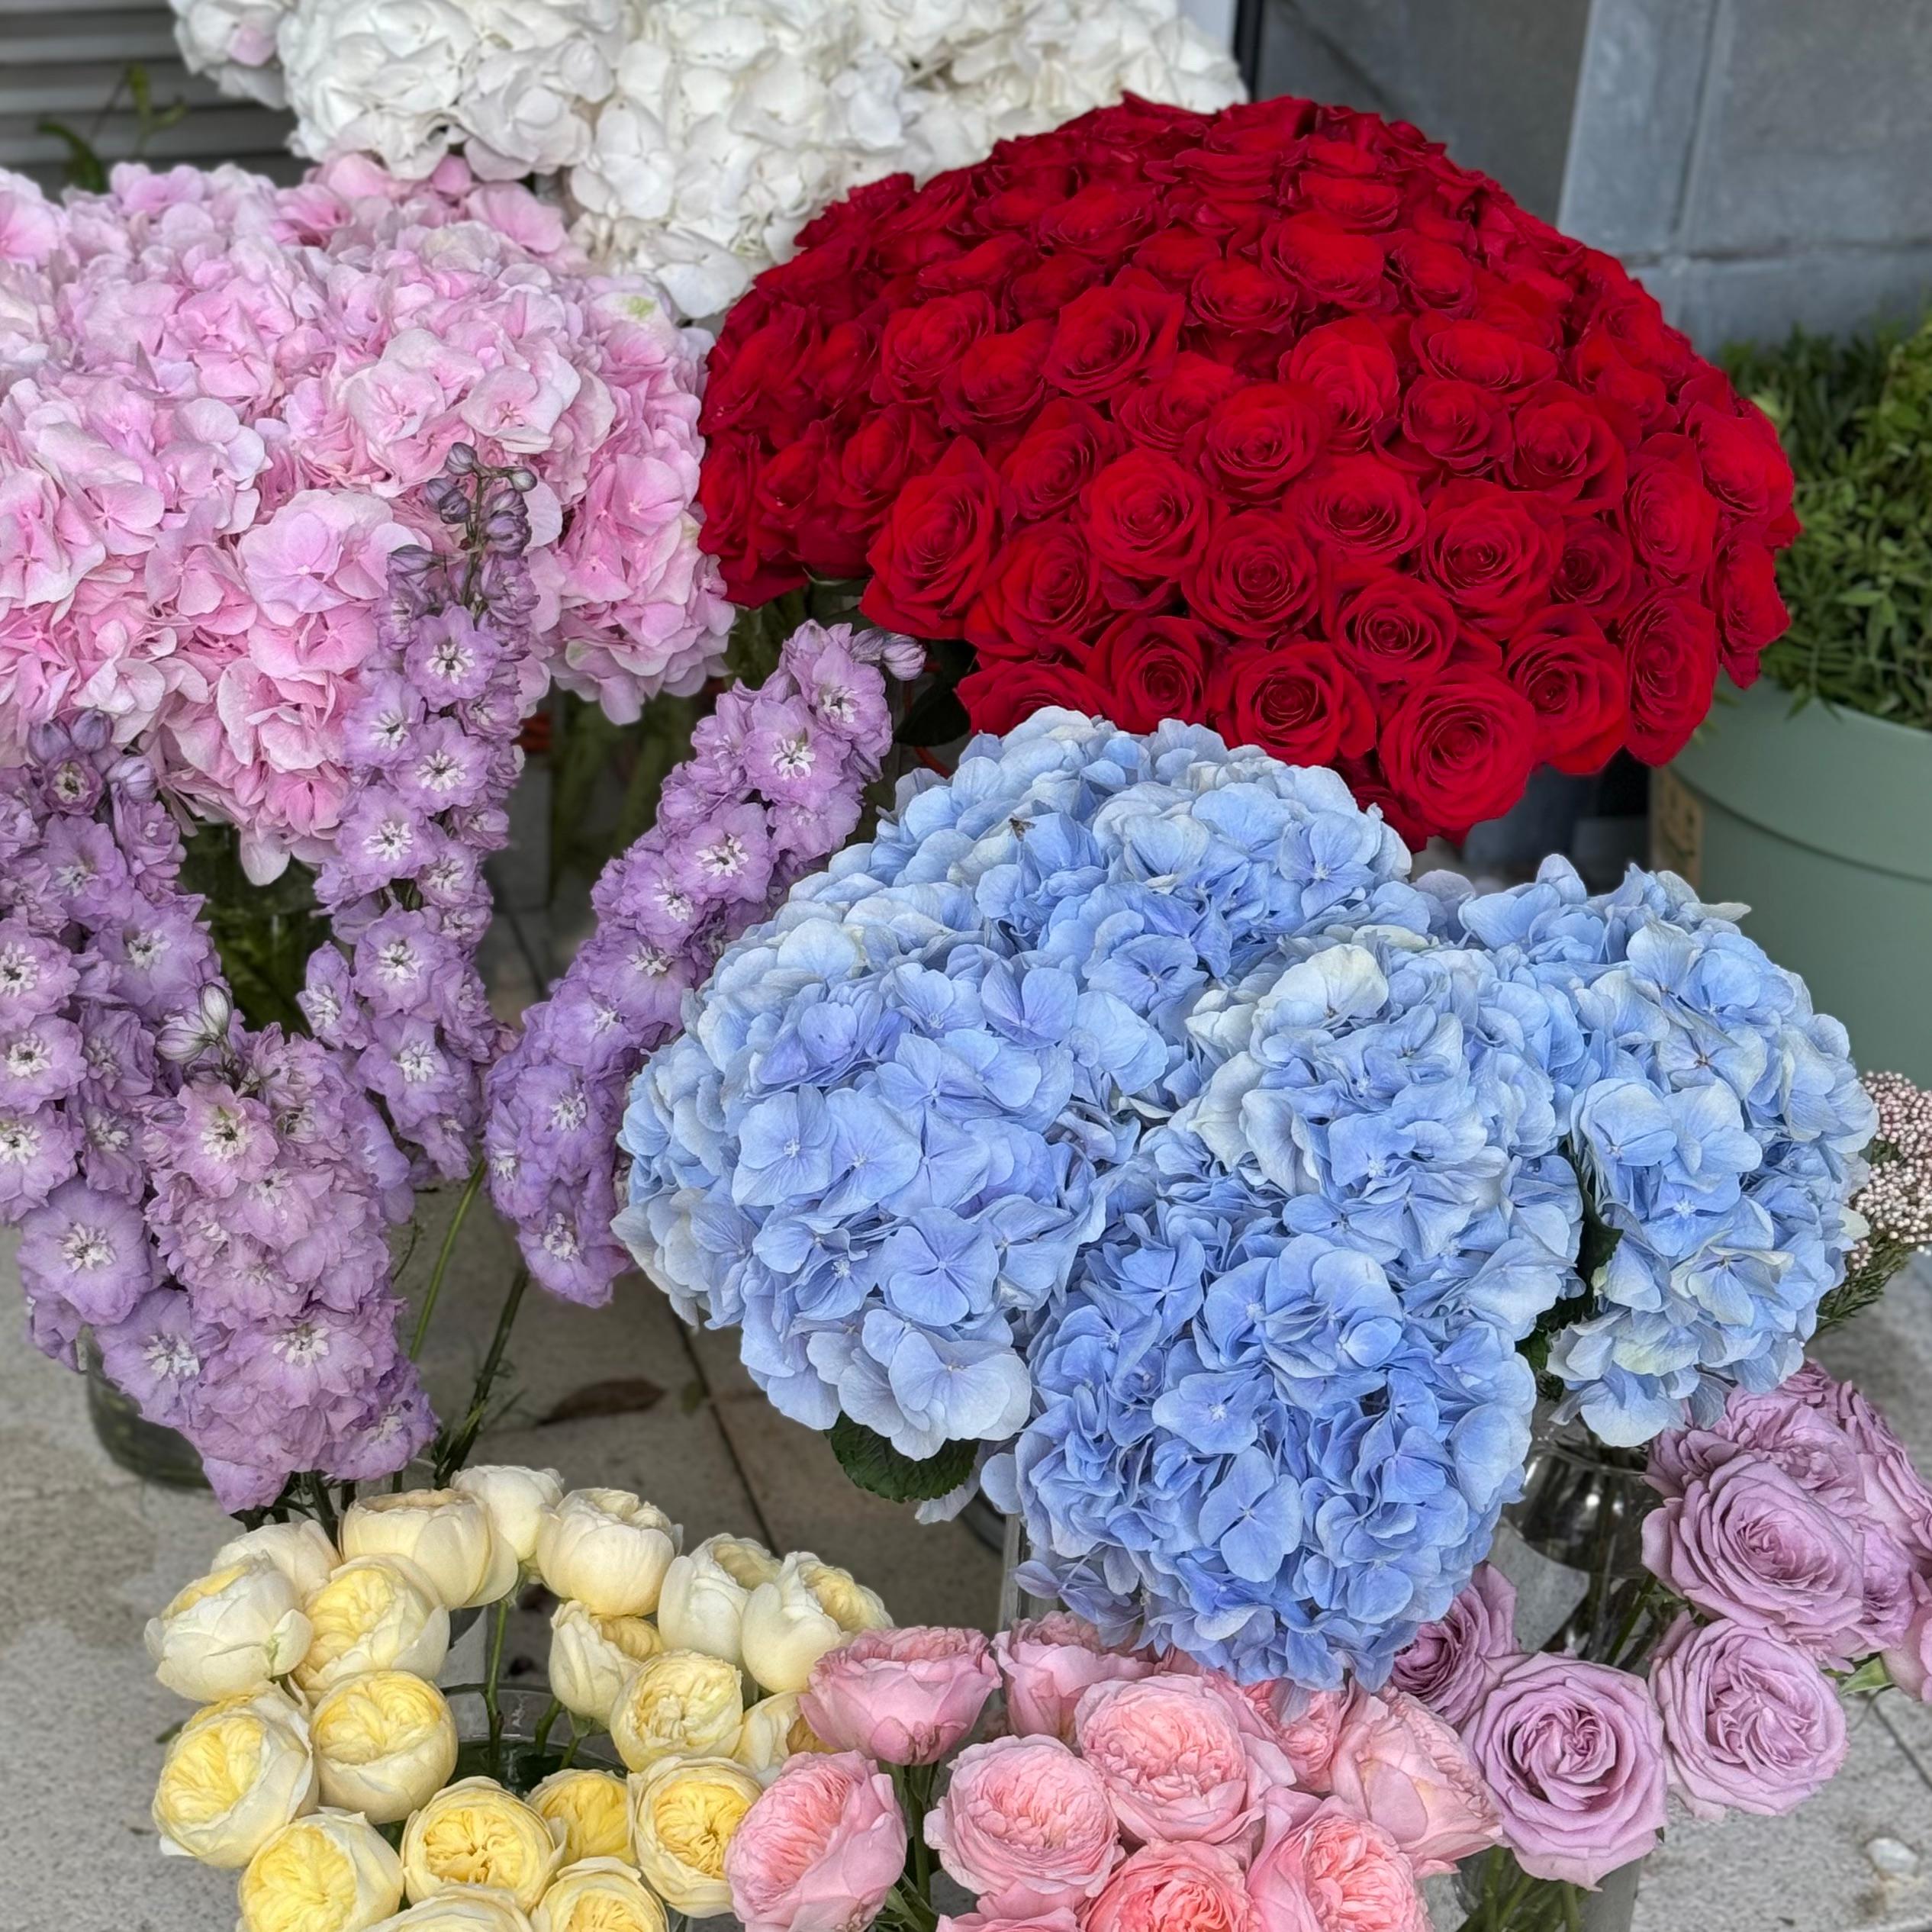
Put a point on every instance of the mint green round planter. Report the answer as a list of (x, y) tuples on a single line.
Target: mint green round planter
[(1821, 823)]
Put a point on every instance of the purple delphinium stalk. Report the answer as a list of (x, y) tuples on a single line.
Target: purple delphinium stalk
[(211, 1203), (774, 783), (433, 745)]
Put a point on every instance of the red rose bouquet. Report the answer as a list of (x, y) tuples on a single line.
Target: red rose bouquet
[(1275, 420)]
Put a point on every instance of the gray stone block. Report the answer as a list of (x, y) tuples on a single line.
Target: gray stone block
[(1835, 290), (1637, 105)]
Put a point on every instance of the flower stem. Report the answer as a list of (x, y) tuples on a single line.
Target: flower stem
[(577, 1737), (325, 1508), (549, 1717), (442, 1267), (499, 1628), (456, 1450)]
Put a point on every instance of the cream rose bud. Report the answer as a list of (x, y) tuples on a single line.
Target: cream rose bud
[(376, 1613), (591, 1658), (598, 1895), (475, 1908), (299, 1549), (330, 1872), (229, 1632), (684, 1812), (384, 1743), (705, 1592), (515, 1500), (809, 1609), (444, 1533), (775, 1729), (235, 1774), (608, 1550), (682, 1703), (475, 1832), (592, 1809)]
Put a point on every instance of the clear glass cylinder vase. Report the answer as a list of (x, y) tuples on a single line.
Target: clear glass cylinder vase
[(1494, 1894), (143, 1448)]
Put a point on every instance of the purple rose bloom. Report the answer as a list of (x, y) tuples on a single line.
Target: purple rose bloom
[(1895, 1492), (1909, 1660), (1453, 1662), (1572, 1752), (1750, 1722), (1746, 1542), (1781, 1428)]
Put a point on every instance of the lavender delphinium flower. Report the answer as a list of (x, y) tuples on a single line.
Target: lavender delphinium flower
[(774, 783), (211, 1204), (433, 745), (1716, 1122)]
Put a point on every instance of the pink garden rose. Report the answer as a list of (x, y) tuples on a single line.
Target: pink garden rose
[(1747, 1543), (1453, 1661), (820, 1850), (1573, 1753), (1749, 1721), (1400, 1766), (1025, 1826), (1175, 1763), (901, 1696), (1909, 1660), (1184, 1888), (1300, 1724), (1895, 1492), (1049, 1662), (1322, 1868), (1060, 1919)]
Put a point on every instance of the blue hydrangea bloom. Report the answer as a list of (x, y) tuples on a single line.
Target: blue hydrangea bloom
[(1717, 1122), (1278, 1411)]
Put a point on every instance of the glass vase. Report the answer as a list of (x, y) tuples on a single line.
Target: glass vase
[(143, 1448), (1495, 1894), (529, 1738)]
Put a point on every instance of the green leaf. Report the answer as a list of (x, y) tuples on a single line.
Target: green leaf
[(874, 1466), (936, 717), (1871, 1675), (84, 168)]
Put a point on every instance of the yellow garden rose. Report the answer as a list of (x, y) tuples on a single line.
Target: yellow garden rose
[(775, 1729), (229, 1633), (473, 1908), (809, 1609), (598, 1895), (591, 1658), (684, 1813), (592, 1809), (384, 1743), (376, 1613), (609, 1549), (682, 1703), (299, 1548), (705, 1591), (330, 1872), (475, 1832), (235, 1774), (446, 1534)]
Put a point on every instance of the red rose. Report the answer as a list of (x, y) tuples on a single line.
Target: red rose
[(929, 559), (1595, 568), (1173, 256), (1152, 668), (1352, 365), (1255, 577), (1751, 612), (1394, 629), (860, 210), (1670, 517), (1478, 352), (921, 344), (999, 380), (1743, 463), (1566, 449), (1455, 423), (1104, 219), (791, 502), (1145, 515), (1438, 274), (1599, 369), (1161, 414), (1258, 439), (989, 267), (1298, 701), (997, 697), (1492, 551), (1632, 320), (1242, 298), (726, 489), (1457, 751), (1362, 506), (1330, 263), (1042, 596), (1041, 293), (1670, 651), (1352, 201), (1067, 446), (1110, 336), (1021, 196), (1574, 678), (892, 444), (760, 374)]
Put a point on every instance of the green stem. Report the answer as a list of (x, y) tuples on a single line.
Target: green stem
[(325, 1508), (499, 1628), (455, 1453), (443, 1261), (577, 1737), (549, 1717)]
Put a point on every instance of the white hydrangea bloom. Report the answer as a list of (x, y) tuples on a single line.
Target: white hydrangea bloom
[(696, 137)]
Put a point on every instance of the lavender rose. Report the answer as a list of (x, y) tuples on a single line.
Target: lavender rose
[(1746, 1542), (1453, 1662), (1895, 1492), (1750, 1723), (1573, 1753)]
